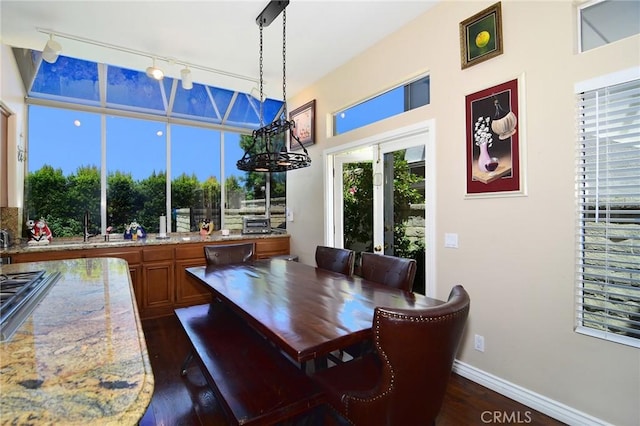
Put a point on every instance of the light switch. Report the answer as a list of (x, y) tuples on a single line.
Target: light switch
[(451, 240), (289, 215)]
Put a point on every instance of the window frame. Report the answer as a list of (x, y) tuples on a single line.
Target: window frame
[(167, 123), (410, 102), (581, 24)]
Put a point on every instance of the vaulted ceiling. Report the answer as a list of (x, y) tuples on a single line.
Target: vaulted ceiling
[(222, 35)]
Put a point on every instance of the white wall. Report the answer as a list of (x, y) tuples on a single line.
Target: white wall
[(12, 95), (516, 255)]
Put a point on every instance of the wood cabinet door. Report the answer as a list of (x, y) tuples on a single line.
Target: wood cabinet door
[(158, 288), (189, 291)]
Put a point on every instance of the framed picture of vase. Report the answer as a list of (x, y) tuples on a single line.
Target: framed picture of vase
[(494, 123)]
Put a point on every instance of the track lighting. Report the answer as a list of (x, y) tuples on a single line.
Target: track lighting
[(51, 50), (154, 72), (51, 54), (185, 75)]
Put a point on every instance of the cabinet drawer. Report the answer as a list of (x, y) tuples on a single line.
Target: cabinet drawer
[(132, 256), (272, 246), (190, 251), (157, 253)]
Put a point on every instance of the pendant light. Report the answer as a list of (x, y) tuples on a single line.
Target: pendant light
[(268, 150)]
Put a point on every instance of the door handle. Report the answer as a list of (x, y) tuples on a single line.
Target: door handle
[(377, 248)]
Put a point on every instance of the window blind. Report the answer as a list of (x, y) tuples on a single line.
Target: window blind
[(608, 190)]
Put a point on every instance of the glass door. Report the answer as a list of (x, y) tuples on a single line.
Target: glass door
[(379, 201)]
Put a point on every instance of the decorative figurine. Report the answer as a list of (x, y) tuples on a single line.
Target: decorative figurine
[(206, 228), (134, 231), (39, 232)]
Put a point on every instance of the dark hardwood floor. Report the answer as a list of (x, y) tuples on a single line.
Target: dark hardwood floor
[(188, 400)]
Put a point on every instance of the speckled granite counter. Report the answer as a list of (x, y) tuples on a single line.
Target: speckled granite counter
[(118, 241), (81, 357)]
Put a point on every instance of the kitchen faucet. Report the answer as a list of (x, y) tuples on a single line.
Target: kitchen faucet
[(85, 225)]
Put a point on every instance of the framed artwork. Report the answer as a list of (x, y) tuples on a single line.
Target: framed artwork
[(493, 122), (481, 36), (305, 128)]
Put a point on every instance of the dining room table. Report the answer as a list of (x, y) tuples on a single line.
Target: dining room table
[(307, 312)]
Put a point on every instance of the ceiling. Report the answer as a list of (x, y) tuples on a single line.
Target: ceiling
[(222, 35)]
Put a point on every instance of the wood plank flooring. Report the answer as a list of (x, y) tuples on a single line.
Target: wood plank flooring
[(188, 400)]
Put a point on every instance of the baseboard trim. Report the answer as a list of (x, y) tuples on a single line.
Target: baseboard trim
[(541, 403)]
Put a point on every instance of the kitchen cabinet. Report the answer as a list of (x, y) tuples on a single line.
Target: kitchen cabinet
[(188, 291), (158, 270), (158, 284)]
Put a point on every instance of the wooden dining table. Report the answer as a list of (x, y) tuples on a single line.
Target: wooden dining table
[(308, 312)]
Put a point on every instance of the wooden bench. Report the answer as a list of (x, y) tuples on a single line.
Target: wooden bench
[(254, 382)]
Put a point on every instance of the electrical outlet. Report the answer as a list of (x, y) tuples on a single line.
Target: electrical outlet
[(479, 343)]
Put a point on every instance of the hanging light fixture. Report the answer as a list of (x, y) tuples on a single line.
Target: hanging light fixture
[(185, 76), (51, 50), (268, 150), (155, 72)]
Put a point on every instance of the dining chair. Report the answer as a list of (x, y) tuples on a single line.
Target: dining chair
[(393, 271), (335, 259), (222, 254), (225, 254), (404, 381)]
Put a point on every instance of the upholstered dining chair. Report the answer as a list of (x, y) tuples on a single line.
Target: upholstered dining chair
[(393, 271), (335, 259), (405, 380), (225, 254)]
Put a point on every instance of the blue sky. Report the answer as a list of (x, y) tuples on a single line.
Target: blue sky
[(68, 139)]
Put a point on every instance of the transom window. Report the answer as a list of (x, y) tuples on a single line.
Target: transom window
[(395, 101), (602, 22)]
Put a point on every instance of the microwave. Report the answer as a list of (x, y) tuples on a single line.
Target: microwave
[(256, 225)]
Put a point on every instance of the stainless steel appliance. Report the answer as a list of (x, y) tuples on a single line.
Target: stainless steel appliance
[(5, 238), (256, 225), (20, 293)]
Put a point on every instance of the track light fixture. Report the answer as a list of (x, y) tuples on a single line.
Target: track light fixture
[(51, 50), (155, 72), (152, 71), (185, 75)]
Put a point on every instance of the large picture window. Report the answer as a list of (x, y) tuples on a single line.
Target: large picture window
[(147, 162), (608, 184)]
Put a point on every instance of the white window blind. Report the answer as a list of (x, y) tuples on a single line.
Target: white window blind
[(608, 190)]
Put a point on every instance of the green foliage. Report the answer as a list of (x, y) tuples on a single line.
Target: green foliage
[(183, 190), (358, 204), (255, 182), (232, 184), (122, 200), (151, 195), (62, 200)]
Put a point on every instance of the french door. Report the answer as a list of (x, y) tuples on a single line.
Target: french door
[(379, 199)]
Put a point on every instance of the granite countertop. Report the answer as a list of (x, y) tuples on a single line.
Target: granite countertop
[(118, 241), (81, 357)]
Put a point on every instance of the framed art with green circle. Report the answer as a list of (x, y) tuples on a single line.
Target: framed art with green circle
[(481, 36)]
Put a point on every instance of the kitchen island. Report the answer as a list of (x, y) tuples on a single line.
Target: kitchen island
[(80, 357)]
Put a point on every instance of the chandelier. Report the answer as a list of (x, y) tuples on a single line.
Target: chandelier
[(268, 151)]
